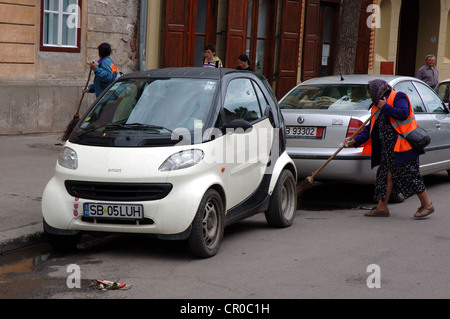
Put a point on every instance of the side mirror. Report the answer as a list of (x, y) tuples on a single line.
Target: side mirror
[(238, 126)]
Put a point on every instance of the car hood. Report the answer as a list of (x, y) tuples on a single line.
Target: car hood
[(132, 164)]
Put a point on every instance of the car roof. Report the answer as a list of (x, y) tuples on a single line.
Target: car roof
[(444, 81), (185, 72), (356, 79)]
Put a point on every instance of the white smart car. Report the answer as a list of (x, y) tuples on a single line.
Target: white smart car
[(178, 153)]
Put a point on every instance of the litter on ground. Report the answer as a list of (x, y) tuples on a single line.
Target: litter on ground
[(108, 285)]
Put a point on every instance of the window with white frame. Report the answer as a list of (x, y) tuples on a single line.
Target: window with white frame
[(60, 26)]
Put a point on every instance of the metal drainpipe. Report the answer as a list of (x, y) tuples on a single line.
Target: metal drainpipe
[(142, 33)]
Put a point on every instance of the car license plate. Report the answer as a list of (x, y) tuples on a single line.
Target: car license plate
[(113, 211), (304, 131)]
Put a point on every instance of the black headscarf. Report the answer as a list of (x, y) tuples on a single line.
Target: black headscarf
[(377, 89)]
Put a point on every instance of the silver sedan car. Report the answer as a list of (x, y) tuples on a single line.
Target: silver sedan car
[(319, 114)]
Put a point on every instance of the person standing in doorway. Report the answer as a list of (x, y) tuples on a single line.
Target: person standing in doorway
[(104, 69), (211, 60), (429, 72), (244, 63)]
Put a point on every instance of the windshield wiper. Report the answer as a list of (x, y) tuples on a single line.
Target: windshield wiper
[(122, 126), (86, 132), (137, 126)]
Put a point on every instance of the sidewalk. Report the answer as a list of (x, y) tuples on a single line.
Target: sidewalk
[(27, 163)]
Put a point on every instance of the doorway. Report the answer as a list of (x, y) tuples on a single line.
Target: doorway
[(321, 26), (407, 38)]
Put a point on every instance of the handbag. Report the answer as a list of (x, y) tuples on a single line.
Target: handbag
[(418, 139)]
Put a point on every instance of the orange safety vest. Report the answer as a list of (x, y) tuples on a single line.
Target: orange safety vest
[(402, 127)]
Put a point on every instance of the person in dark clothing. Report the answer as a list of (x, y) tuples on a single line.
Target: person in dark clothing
[(104, 69), (398, 162), (244, 63)]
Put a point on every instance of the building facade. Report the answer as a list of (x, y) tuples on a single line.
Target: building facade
[(45, 45), (407, 31), (286, 40)]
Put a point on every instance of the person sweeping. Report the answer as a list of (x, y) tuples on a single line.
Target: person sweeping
[(398, 163), (105, 73), (104, 69)]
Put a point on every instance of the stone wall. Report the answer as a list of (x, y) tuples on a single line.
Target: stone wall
[(40, 90)]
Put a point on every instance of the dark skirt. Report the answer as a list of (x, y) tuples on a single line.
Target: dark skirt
[(405, 176)]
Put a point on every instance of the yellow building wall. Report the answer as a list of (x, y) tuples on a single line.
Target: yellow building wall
[(433, 36), (18, 22)]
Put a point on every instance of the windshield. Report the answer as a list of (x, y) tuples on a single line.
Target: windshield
[(152, 106), (443, 90), (328, 96)]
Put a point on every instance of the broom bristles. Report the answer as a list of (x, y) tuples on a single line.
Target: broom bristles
[(302, 187), (69, 129), (305, 184)]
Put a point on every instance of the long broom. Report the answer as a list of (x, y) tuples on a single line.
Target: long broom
[(307, 182), (76, 116)]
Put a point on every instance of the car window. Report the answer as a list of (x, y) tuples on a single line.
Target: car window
[(328, 96), (241, 101), (416, 102), (433, 101), (262, 99), (443, 90)]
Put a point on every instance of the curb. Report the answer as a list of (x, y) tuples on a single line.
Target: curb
[(31, 235)]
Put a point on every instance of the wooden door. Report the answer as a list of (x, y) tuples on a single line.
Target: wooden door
[(363, 43), (188, 26), (236, 31), (289, 46), (176, 32), (311, 39)]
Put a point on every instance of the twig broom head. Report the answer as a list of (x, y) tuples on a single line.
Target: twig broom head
[(303, 186), (76, 116), (69, 128)]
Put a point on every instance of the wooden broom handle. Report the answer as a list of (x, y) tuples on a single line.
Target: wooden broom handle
[(77, 114), (340, 148)]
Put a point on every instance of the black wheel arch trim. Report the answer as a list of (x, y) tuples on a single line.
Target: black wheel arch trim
[(56, 231)]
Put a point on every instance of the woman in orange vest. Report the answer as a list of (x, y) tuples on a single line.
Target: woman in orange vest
[(398, 163)]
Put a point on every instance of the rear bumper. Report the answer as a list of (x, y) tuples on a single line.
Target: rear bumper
[(352, 168)]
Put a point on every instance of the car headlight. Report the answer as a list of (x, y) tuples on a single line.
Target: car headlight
[(180, 160), (68, 158)]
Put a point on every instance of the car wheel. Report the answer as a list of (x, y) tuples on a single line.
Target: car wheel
[(208, 226), (63, 242), (283, 203)]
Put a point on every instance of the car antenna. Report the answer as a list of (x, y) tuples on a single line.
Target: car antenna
[(340, 73)]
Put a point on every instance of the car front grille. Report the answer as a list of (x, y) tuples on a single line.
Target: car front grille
[(126, 192)]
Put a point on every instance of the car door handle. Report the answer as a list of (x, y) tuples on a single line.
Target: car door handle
[(438, 125)]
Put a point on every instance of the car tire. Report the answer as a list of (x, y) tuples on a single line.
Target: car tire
[(283, 203), (208, 226), (63, 242)]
